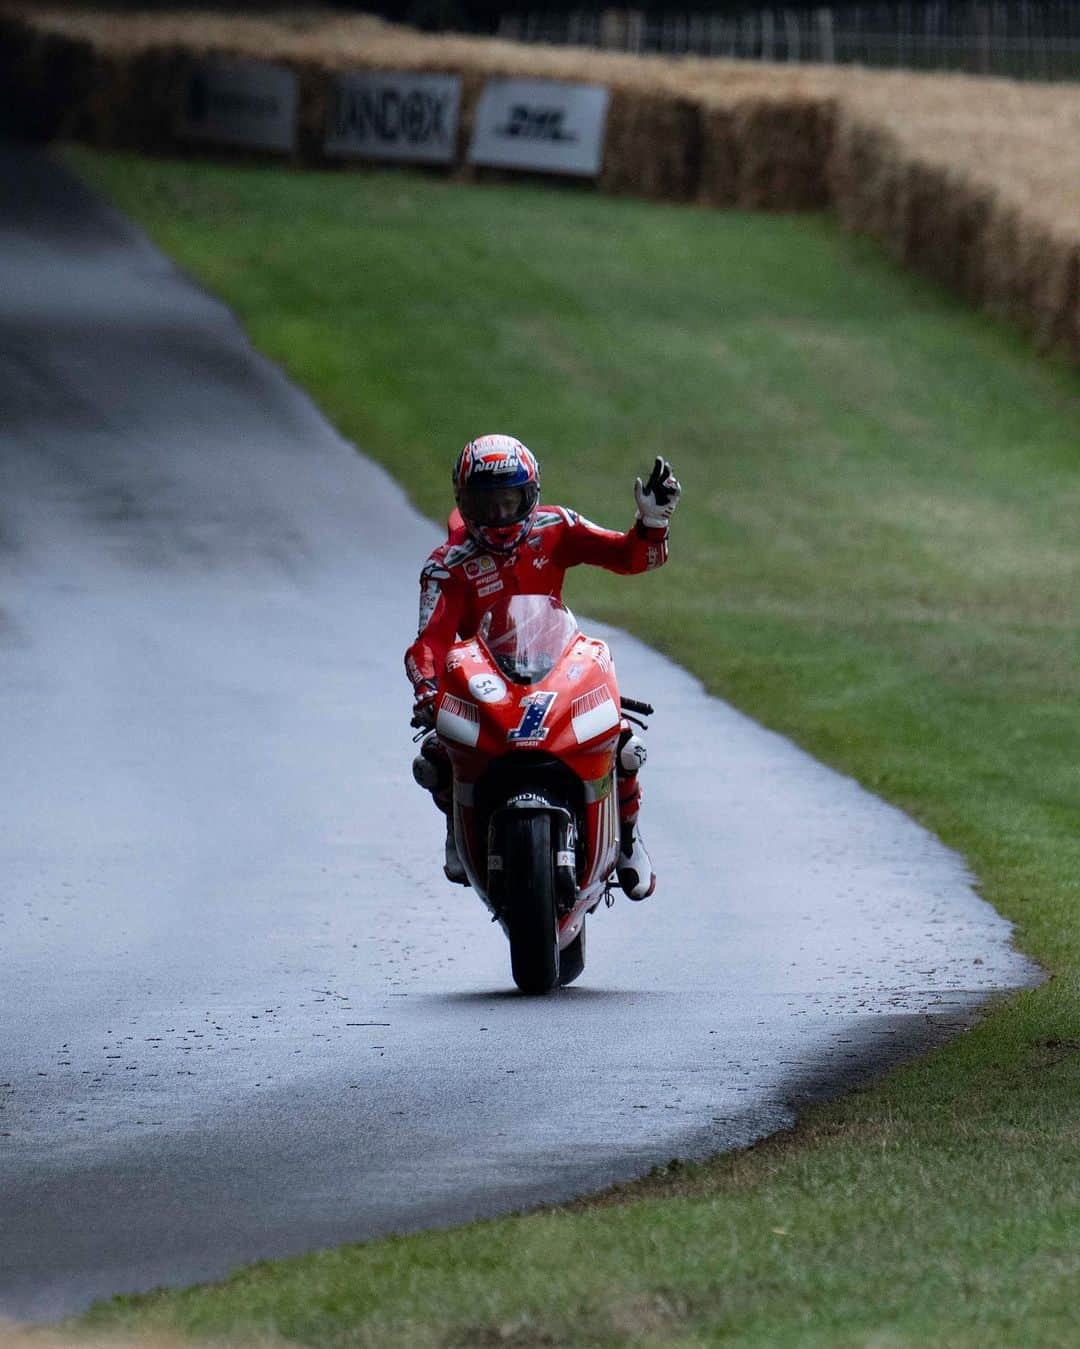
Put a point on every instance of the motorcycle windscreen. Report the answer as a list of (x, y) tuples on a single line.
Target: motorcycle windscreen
[(526, 635)]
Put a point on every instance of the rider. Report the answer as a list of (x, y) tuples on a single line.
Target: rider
[(502, 542)]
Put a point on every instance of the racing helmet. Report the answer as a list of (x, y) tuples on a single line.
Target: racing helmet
[(497, 489)]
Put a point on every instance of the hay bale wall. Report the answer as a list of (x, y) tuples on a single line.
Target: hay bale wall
[(657, 121), (975, 182)]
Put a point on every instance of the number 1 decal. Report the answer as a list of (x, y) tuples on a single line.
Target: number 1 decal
[(531, 726)]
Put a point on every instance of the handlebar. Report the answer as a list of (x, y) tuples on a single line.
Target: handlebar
[(632, 705)]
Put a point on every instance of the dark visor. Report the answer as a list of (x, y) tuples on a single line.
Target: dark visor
[(497, 505)]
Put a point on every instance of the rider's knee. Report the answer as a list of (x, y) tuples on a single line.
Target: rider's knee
[(632, 753)]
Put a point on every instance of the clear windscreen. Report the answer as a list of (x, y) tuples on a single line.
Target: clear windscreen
[(526, 634)]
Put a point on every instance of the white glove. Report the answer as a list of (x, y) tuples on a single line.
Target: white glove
[(656, 501)]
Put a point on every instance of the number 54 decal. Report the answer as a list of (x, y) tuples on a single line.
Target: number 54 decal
[(531, 726)]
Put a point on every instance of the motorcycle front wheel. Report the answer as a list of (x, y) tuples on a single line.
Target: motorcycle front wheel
[(532, 920)]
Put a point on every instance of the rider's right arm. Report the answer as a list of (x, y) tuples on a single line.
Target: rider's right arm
[(440, 610)]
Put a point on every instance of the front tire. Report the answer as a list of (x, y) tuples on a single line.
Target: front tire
[(531, 920)]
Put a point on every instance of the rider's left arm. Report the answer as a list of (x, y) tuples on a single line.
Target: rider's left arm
[(583, 543), (643, 547)]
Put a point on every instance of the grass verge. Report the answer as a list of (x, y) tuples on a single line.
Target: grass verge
[(878, 555)]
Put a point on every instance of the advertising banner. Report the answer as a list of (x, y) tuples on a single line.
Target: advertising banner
[(246, 103), (386, 115), (540, 125)]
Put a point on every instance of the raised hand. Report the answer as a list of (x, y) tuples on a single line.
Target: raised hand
[(657, 498)]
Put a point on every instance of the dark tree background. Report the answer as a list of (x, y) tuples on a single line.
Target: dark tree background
[(483, 15)]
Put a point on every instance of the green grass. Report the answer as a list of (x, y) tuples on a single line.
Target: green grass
[(878, 554)]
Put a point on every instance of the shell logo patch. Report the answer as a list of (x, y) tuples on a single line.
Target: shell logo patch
[(480, 566)]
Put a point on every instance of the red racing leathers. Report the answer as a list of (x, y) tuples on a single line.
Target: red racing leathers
[(461, 579)]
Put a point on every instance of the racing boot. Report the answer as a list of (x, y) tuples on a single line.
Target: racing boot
[(634, 867), (453, 867)]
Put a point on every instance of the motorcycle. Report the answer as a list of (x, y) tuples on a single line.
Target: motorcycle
[(530, 715)]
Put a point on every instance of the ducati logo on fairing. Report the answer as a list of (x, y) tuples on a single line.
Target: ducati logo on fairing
[(535, 706)]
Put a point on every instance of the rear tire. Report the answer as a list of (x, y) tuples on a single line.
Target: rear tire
[(532, 922), (572, 959)]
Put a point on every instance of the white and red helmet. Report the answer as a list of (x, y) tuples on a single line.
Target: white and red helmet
[(497, 490)]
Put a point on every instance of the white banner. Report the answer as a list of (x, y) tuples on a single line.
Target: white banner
[(399, 116), (239, 103), (540, 125)]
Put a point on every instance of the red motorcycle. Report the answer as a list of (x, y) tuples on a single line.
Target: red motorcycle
[(530, 715)]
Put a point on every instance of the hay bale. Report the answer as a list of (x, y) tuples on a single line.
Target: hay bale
[(314, 92), (718, 183), (44, 79), (652, 146), (1055, 289), (130, 105), (863, 174), (970, 208), (472, 86), (1007, 289), (783, 150), (922, 220)]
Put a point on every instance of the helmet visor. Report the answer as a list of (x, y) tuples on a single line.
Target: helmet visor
[(494, 506)]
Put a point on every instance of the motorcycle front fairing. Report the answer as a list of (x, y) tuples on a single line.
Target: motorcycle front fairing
[(528, 712)]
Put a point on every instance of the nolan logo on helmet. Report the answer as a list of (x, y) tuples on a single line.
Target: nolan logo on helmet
[(502, 462)]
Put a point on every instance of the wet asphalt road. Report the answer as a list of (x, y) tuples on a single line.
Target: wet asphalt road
[(242, 1015)]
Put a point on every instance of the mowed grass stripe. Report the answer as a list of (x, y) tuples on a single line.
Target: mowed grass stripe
[(878, 554)]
